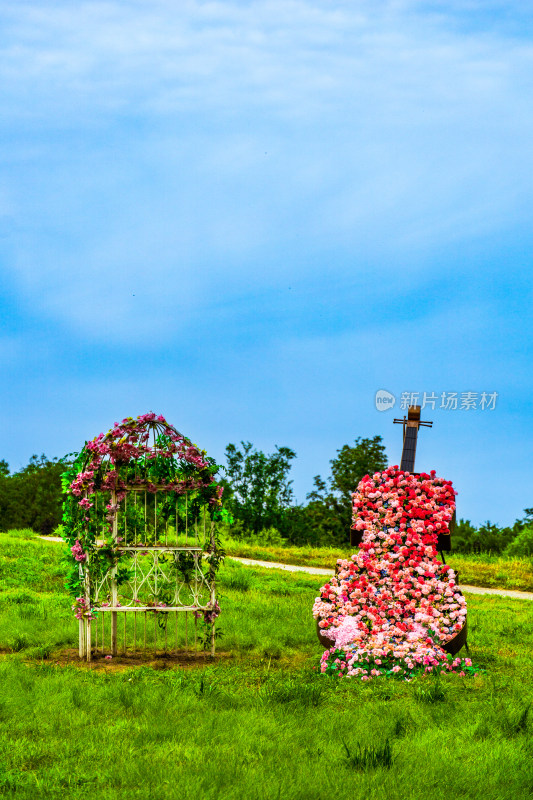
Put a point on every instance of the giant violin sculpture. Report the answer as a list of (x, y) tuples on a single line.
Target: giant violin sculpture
[(393, 607)]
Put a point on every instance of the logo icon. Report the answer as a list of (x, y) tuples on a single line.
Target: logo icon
[(384, 400)]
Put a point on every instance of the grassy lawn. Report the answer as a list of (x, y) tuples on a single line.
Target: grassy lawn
[(475, 570), (258, 722)]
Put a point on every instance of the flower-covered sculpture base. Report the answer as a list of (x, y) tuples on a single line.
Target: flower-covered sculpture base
[(393, 608)]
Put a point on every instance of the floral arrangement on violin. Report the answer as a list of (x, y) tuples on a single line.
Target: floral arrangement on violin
[(393, 608)]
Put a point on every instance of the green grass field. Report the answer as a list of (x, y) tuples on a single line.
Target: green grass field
[(258, 721), (475, 570)]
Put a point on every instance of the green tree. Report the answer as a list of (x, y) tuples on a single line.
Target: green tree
[(31, 498), (463, 537), (257, 491), (522, 544), (353, 462), (329, 508), (41, 490), (490, 538), (7, 498)]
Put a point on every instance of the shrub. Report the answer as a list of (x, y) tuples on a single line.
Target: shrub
[(522, 544)]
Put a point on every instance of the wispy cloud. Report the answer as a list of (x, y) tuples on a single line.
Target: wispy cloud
[(158, 155), (166, 152)]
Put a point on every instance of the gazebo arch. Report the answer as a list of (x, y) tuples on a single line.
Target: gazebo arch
[(140, 512)]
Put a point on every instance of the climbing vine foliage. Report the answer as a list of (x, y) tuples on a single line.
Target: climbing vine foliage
[(140, 484)]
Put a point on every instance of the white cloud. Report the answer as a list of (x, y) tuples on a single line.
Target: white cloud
[(179, 151), (297, 58)]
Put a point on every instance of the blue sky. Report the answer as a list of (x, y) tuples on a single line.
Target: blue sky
[(251, 216)]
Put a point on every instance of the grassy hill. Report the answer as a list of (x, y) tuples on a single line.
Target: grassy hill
[(258, 722)]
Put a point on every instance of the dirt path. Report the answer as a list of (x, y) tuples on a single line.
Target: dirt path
[(251, 562), (321, 571)]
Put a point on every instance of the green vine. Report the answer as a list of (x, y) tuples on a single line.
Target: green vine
[(139, 458)]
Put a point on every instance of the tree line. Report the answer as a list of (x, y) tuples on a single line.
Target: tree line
[(259, 497), (31, 498)]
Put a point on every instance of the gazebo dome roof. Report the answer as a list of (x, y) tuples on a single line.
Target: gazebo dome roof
[(145, 452)]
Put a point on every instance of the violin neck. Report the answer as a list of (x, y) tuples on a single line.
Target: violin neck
[(409, 449)]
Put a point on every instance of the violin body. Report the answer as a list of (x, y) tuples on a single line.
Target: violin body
[(393, 601)]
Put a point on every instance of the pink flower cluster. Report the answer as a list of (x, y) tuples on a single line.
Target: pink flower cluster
[(209, 614), (217, 497), (157, 607), (83, 482), (393, 605), (77, 551), (129, 441), (130, 438), (82, 609)]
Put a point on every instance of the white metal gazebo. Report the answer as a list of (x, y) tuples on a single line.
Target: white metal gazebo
[(140, 518)]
